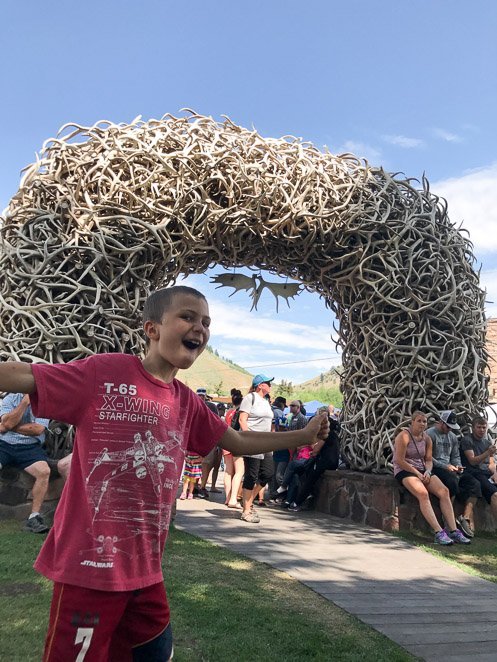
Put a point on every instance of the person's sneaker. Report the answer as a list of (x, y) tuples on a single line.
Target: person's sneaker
[(459, 537), (441, 538), (36, 524), (202, 493), (294, 508), (250, 517), (465, 527)]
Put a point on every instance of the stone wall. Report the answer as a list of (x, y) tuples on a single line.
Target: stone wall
[(375, 500)]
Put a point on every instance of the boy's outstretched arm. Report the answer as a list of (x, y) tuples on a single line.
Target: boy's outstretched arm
[(16, 377), (244, 443)]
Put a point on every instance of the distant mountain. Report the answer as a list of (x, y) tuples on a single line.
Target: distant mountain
[(215, 374), (328, 379)]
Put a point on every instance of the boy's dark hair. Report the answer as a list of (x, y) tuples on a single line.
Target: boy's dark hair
[(159, 301)]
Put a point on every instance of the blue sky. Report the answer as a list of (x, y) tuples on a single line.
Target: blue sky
[(410, 86)]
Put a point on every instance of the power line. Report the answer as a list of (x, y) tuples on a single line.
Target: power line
[(270, 365)]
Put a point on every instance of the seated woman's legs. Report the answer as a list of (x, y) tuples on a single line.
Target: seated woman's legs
[(416, 487), (438, 489)]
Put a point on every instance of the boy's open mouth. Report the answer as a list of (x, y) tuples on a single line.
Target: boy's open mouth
[(191, 344)]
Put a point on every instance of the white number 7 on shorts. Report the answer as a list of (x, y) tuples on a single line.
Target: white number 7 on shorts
[(83, 635)]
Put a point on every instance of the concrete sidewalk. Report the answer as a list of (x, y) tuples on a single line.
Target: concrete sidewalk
[(429, 607)]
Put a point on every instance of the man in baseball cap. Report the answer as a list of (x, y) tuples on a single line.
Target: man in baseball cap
[(448, 418), (448, 467)]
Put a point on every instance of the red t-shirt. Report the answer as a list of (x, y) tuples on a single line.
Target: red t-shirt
[(132, 433)]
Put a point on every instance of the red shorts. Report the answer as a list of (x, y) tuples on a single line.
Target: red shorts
[(103, 626)]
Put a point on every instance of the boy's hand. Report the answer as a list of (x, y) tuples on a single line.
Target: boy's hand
[(318, 426)]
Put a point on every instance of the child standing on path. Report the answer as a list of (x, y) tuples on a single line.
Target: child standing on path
[(192, 473), (134, 423)]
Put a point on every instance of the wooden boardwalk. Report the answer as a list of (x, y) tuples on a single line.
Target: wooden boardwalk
[(431, 608)]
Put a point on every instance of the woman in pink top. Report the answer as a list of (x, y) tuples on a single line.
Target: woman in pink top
[(412, 464)]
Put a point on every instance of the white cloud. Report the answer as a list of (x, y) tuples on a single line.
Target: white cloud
[(361, 150), (472, 199), (404, 141), (447, 136), (233, 322)]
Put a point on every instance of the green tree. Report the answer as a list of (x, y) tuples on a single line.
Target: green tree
[(285, 388)]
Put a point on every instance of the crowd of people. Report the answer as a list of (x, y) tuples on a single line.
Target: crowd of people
[(290, 474), (427, 461)]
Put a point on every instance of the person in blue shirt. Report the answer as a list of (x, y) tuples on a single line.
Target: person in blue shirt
[(21, 439)]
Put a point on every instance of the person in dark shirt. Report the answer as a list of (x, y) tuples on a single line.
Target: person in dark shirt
[(478, 456)]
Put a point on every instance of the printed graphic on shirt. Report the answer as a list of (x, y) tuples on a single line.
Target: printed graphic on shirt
[(132, 475)]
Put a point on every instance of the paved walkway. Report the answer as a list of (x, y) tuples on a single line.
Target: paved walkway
[(429, 607)]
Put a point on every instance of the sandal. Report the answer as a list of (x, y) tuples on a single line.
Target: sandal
[(238, 506), (190, 496), (250, 517), (183, 496)]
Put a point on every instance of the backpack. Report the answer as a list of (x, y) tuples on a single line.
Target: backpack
[(235, 421)]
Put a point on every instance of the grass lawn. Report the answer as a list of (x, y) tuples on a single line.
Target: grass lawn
[(224, 607), (479, 558)]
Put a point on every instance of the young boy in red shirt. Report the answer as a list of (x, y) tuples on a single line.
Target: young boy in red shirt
[(134, 423)]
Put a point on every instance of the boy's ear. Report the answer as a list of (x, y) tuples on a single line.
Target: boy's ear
[(151, 330)]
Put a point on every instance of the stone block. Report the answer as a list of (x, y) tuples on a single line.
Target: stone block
[(390, 523), (358, 512), (339, 504), (382, 498), (374, 518), (12, 494)]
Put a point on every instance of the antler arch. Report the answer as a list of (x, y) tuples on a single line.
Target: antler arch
[(111, 211)]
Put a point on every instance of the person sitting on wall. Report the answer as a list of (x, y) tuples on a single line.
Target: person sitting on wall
[(478, 453), (448, 467), (21, 439), (296, 467), (326, 456), (412, 463)]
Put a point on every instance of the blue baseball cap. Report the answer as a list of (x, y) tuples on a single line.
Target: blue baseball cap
[(260, 379)]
